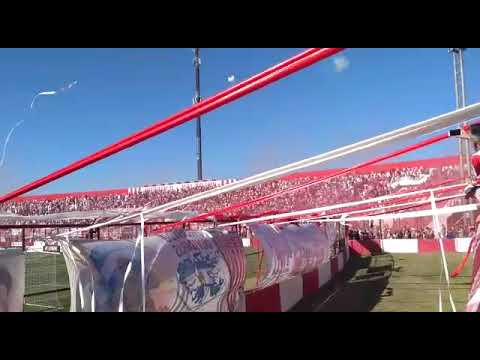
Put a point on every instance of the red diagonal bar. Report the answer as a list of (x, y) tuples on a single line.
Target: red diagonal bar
[(252, 84)]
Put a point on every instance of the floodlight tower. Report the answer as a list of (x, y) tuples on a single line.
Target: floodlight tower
[(196, 99), (464, 144)]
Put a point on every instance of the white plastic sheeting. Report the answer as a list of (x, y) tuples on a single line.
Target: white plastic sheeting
[(93, 214), (293, 250), (12, 280), (184, 271)]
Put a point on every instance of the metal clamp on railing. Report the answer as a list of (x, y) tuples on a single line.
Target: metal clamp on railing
[(455, 132)]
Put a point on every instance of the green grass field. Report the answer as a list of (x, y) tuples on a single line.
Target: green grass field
[(397, 283), (45, 273), (391, 283), (415, 280)]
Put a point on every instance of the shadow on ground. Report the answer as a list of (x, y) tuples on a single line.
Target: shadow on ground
[(358, 289)]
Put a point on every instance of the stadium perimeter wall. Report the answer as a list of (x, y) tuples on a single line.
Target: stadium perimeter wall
[(404, 246), (284, 296)]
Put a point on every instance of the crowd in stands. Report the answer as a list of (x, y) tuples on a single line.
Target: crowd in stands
[(336, 190), (102, 202), (342, 189), (377, 232)]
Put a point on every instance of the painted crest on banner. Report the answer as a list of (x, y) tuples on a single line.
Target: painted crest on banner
[(184, 271), (201, 277)]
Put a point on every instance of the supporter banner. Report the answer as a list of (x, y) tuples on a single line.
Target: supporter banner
[(184, 271), (12, 281), (293, 249), (180, 186), (189, 271), (410, 181)]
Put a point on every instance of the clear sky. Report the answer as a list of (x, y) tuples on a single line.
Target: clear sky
[(120, 91)]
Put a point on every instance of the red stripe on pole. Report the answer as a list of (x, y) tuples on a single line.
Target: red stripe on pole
[(460, 266), (258, 81)]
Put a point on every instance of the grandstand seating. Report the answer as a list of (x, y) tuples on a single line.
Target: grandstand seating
[(370, 182)]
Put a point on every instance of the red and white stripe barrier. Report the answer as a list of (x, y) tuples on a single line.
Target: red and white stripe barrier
[(404, 246), (282, 297)]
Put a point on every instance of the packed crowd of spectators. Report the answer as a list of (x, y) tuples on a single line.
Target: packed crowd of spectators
[(340, 189), (102, 202), (377, 232)]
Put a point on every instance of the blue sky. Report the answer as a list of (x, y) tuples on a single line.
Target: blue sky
[(124, 90)]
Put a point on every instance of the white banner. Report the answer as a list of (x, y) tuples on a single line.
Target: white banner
[(410, 181), (12, 281), (180, 186), (293, 250), (184, 271)]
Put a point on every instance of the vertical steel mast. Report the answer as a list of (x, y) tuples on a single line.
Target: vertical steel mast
[(196, 99), (464, 144), (459, 81)]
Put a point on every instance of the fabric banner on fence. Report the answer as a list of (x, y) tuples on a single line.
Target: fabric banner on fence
[(293, 249), (12, 280), (184, 271)]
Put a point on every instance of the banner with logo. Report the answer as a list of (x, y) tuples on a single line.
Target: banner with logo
[(410, 181), (293, 250), (189, 271), (184, 271), (12, 280)]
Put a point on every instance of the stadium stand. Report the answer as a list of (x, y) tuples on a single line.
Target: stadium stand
[(370, 182)]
